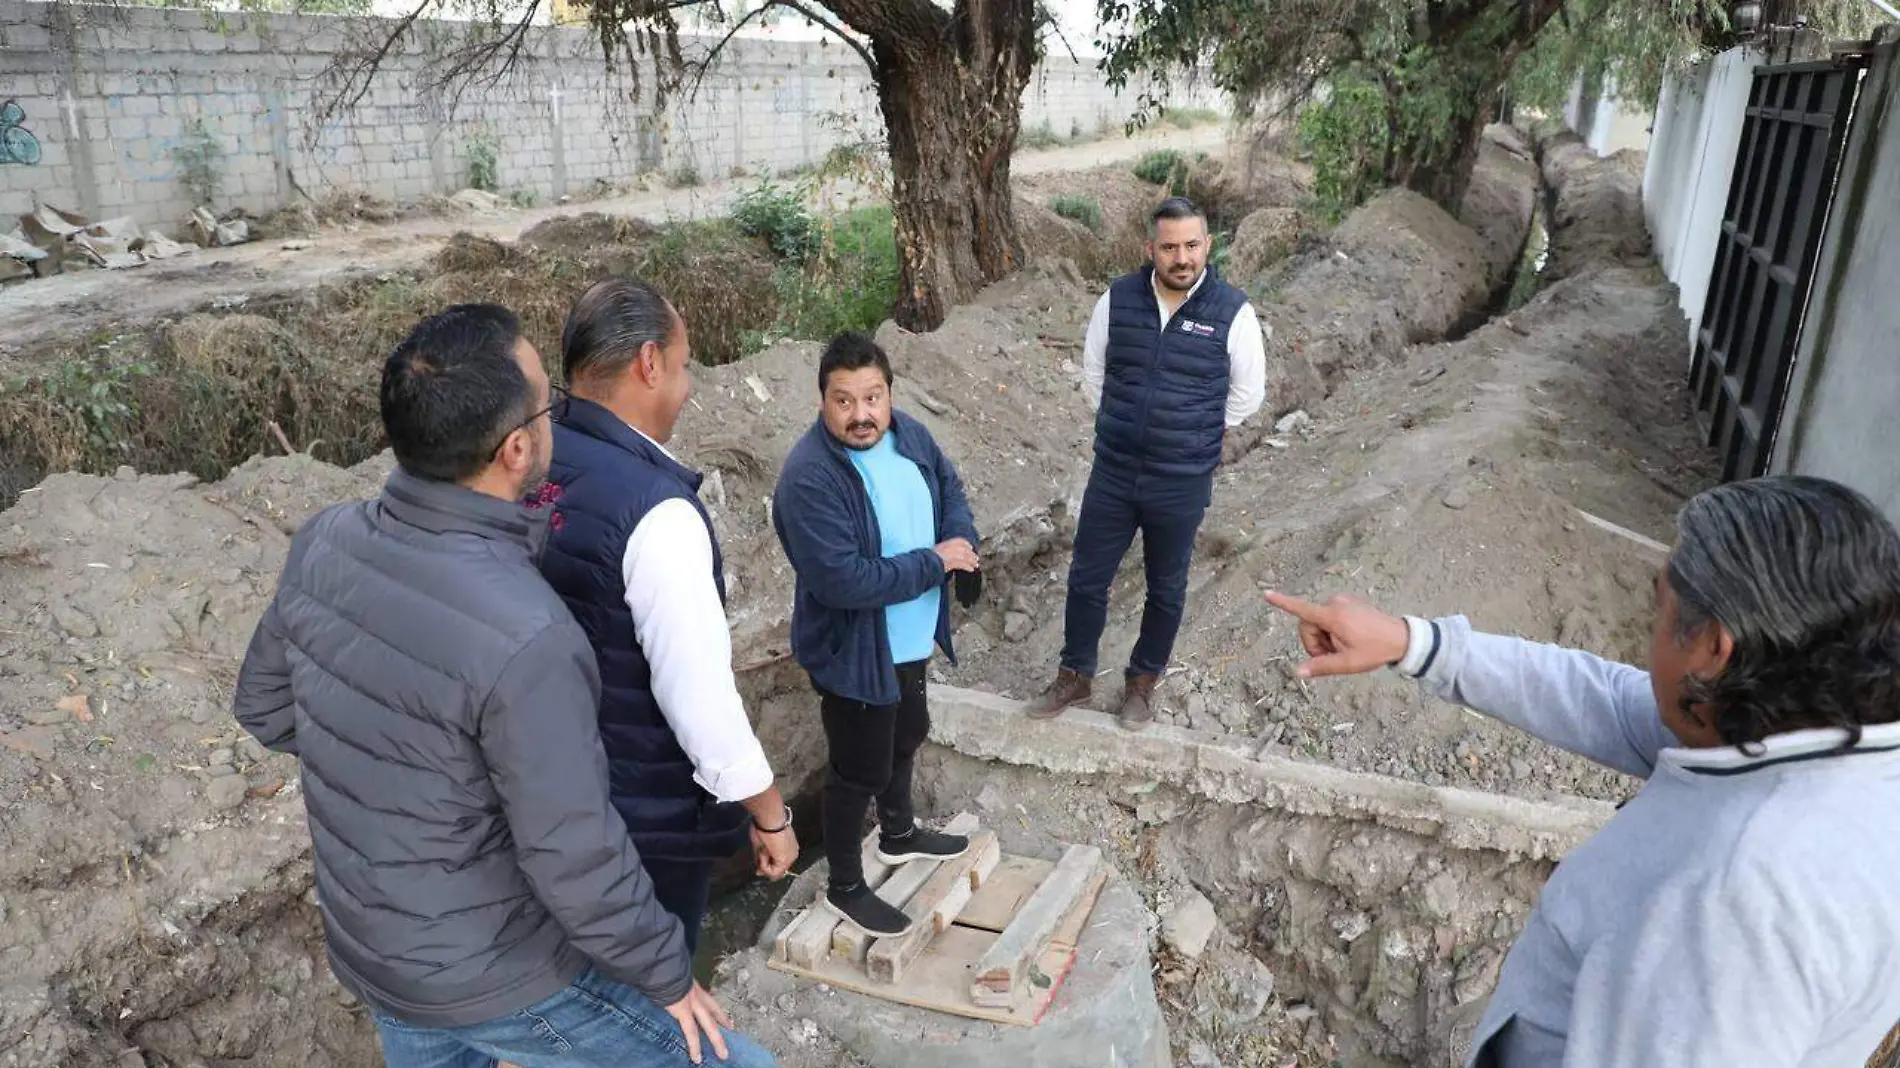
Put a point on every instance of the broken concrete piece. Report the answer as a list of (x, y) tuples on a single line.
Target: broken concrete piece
[(1188, 928), (1292, 421)]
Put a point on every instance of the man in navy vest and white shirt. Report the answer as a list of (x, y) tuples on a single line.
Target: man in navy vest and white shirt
[(633, 554), (1173, 357)]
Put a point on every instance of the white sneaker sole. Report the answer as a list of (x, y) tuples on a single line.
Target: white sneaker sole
[(895, 859), (844, 918)]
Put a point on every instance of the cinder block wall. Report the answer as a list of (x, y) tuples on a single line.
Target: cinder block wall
[(121, 102)]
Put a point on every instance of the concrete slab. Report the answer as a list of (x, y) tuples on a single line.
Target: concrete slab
[(1105, 1015), (1223, 769)]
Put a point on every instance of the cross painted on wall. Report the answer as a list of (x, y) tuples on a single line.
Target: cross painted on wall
[(17, 144)]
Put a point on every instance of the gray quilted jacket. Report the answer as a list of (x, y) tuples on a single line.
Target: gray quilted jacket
[(442, 702)]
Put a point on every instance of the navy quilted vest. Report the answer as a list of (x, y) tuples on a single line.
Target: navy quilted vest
[(609, 478), (1164, 392)]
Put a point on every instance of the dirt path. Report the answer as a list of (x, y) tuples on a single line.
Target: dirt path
[(88, 300)]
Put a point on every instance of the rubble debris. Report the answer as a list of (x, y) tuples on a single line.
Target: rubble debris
[(1189, 926)]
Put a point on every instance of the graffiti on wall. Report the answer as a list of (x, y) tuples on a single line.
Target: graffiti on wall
[(17, 143)]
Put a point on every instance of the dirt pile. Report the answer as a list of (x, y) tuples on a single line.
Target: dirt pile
[(1592, 199), (1125, 202), (1397, 272), (156, 864)]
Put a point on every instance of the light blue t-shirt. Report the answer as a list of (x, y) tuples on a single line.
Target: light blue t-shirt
[(907, 521)]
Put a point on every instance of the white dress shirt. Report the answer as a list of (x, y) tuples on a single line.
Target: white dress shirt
[(1246, 348), (681, 626)]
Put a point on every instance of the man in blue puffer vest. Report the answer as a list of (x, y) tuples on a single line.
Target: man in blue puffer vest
[(633, 554), (1173, 357), (873, 518)]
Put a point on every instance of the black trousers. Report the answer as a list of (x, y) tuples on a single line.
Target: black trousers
[(873, 748)]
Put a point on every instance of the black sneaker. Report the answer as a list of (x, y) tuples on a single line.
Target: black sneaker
[(862, 908), (921, 843)]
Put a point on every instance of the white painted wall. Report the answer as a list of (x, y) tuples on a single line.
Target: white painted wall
[(1615, 124), (1698, 130)]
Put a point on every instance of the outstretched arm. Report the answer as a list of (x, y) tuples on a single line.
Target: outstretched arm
[(1576, 701)]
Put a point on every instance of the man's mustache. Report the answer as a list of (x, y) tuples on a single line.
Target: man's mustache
[(854, 427)]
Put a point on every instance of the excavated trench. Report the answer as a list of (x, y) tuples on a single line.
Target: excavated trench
[(148, 908)]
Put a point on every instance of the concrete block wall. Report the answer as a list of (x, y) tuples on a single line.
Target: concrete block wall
[(120, 98)]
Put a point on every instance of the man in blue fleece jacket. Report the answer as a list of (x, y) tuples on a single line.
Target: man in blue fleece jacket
[(1739, 910), (874, 521)]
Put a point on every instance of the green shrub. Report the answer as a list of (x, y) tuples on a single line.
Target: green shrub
[(1165, 167), (484, 163), (1085, 210), (849, 283), (1346, 138), (778, 214), (684, 176)]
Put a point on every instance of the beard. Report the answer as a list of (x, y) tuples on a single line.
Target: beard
[(1168, 279)]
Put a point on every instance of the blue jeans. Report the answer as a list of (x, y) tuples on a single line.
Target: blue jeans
[(593, 1022), (1168, 512)]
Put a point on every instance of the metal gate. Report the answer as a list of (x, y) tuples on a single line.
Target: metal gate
[(1790, 154)]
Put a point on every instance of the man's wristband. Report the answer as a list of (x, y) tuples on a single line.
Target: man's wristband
[(781, 828)]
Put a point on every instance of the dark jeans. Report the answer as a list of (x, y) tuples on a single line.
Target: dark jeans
[(872, 750), (1168, 512), (683, 887)]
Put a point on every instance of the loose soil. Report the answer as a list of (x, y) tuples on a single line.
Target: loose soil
[(155, 872)]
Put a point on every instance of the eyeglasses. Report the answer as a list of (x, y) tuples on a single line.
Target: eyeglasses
[(556, 410)]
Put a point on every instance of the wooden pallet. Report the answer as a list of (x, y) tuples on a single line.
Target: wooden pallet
[(993, 935)]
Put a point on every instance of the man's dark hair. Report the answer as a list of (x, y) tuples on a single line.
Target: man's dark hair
[(609, 324), (1173, 208), (1804, 574), (452, 391), (851, 351)]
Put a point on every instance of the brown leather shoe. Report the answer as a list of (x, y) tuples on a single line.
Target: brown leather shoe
[(1138, 709), (1069, 688)]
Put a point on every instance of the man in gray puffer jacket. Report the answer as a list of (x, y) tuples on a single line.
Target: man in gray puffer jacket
[(479, 892)]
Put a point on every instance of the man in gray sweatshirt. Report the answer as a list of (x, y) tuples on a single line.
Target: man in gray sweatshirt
[(1740, 909), (479, 891)]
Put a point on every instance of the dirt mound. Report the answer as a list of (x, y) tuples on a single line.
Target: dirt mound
[(589, 230), (1398, 271), (1230, 190), (1595, 199), (1265, 239), (154, 868), (1125, 202), (1048, 236)]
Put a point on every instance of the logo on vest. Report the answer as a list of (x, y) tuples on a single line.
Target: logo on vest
[(1189, 326)]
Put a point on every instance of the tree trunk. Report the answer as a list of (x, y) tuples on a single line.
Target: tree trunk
[(1442, 171), (950, 85), (1473, 50)]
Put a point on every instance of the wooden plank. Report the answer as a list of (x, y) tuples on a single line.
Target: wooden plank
[(807, 939), (1000, 976), (939, 980), (931, 909), (989, 853), (1003, 893), (1069, 931), (850, 944)]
